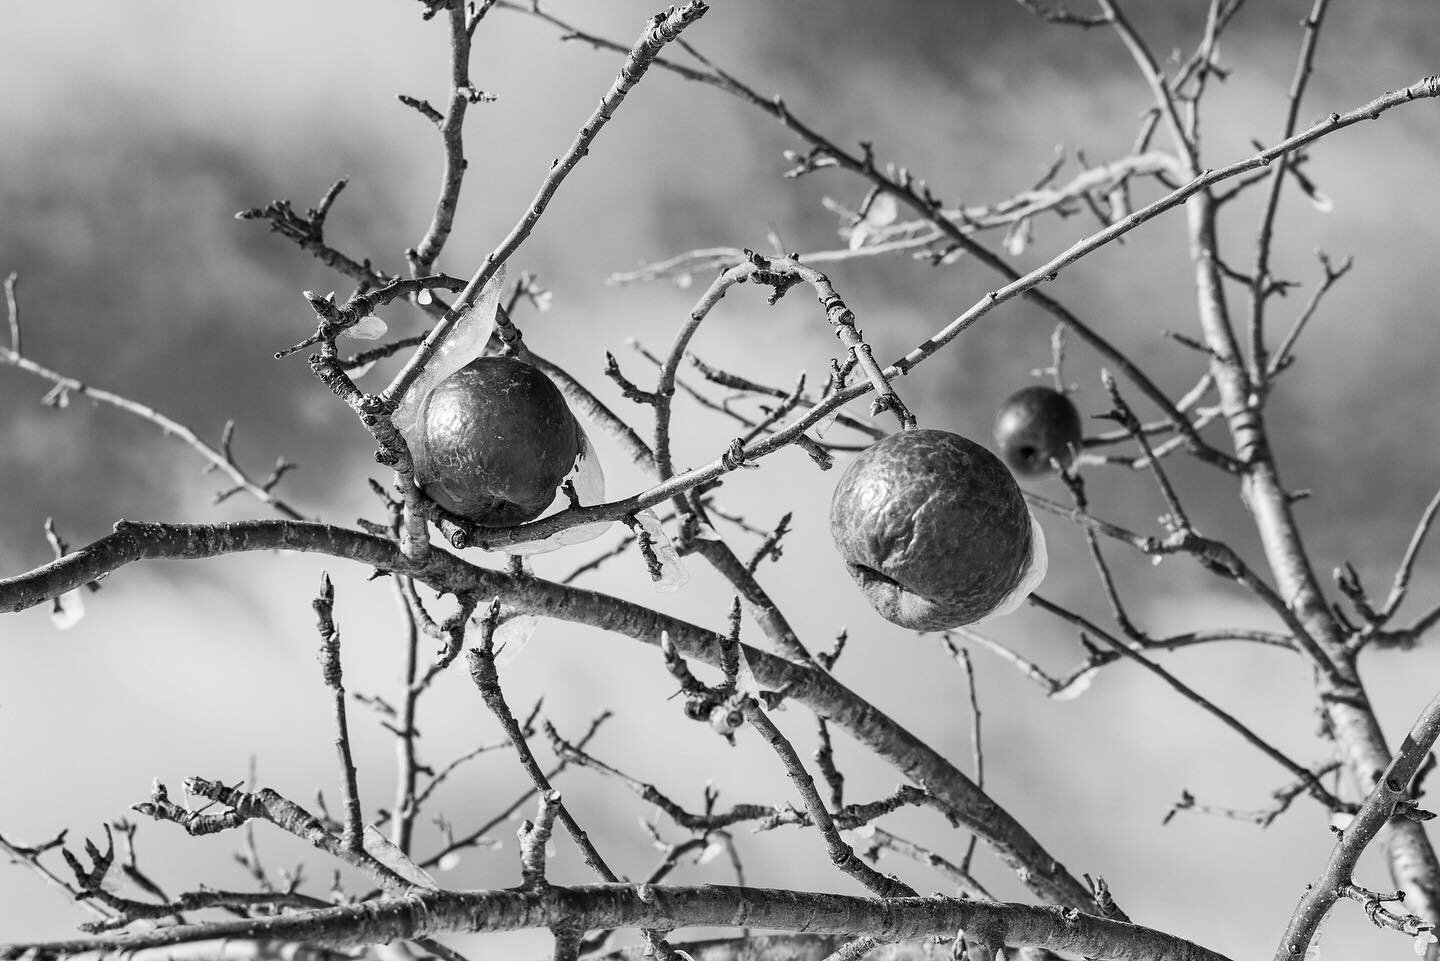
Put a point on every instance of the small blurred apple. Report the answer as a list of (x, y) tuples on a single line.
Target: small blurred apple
[(497, 441), (1035, 427), (934, 530)]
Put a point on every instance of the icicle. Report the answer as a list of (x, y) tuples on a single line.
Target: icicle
[(712, 850), (512, 636), (1078, 686), (589, 480), (67, 610), (465, 342), (673, 574), (381, 849), (823, 425), (368, 327)]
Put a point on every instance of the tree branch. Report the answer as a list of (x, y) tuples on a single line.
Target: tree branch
[(629, 905), (810, 685), (1390, 791), (661, 30)]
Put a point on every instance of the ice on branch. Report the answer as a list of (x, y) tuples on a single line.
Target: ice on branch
[(672, 575), (1077, 686), (466, 341), (368, 327), (68, 609), (881, 213), (512, 637), (587, 481)]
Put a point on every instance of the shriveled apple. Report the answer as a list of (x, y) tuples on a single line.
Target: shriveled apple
[(1036, 428), (935, 531), (497, 439)]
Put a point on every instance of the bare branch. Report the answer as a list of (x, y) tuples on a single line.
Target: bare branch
[(451, 131), (1177, 519), (29, 855), (650, 794), (660, 31), (879, 838), (487, 680), (12, 309), (407, 804), (1384, 802), (1407, 563), (217, 459), (1159, 86), (477, 836), (841, 854), (1260, 291), (1283, 353), (1263, 817), (324, 605), (806, 682), (308, 233), (425, 914), (1316, 789), (267, 805)]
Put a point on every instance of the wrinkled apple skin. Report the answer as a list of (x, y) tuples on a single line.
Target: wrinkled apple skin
[(498, 439), (932, 527), (1035, 425)]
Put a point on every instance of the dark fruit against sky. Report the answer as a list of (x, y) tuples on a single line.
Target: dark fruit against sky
[(1035, 425), (933, 528), (497, 440)]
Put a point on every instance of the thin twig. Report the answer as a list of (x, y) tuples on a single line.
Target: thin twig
[(1263, 817), (1178, 520), (977, 748), (406, 806), (841, 854), (1316, 789), (29, 855), (879, 838), (12, 310), (1283, 353), (1260, 289), (1407, 563), (268, 805), (217, 460), (324, 605), (451, 132), (1159, 86)]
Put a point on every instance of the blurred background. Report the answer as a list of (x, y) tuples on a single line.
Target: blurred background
[(133, 133)]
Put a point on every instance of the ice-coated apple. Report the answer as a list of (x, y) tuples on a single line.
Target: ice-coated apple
[(497, 439), (1035, 428), (935, 531)]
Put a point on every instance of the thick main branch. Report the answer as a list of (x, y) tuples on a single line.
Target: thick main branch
[(598, 906)]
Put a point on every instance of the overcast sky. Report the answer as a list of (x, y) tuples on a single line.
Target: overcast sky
[(132, 134)]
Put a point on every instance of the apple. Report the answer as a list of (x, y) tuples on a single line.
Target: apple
[(497, 439), (935, 531), (1035, 428)]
